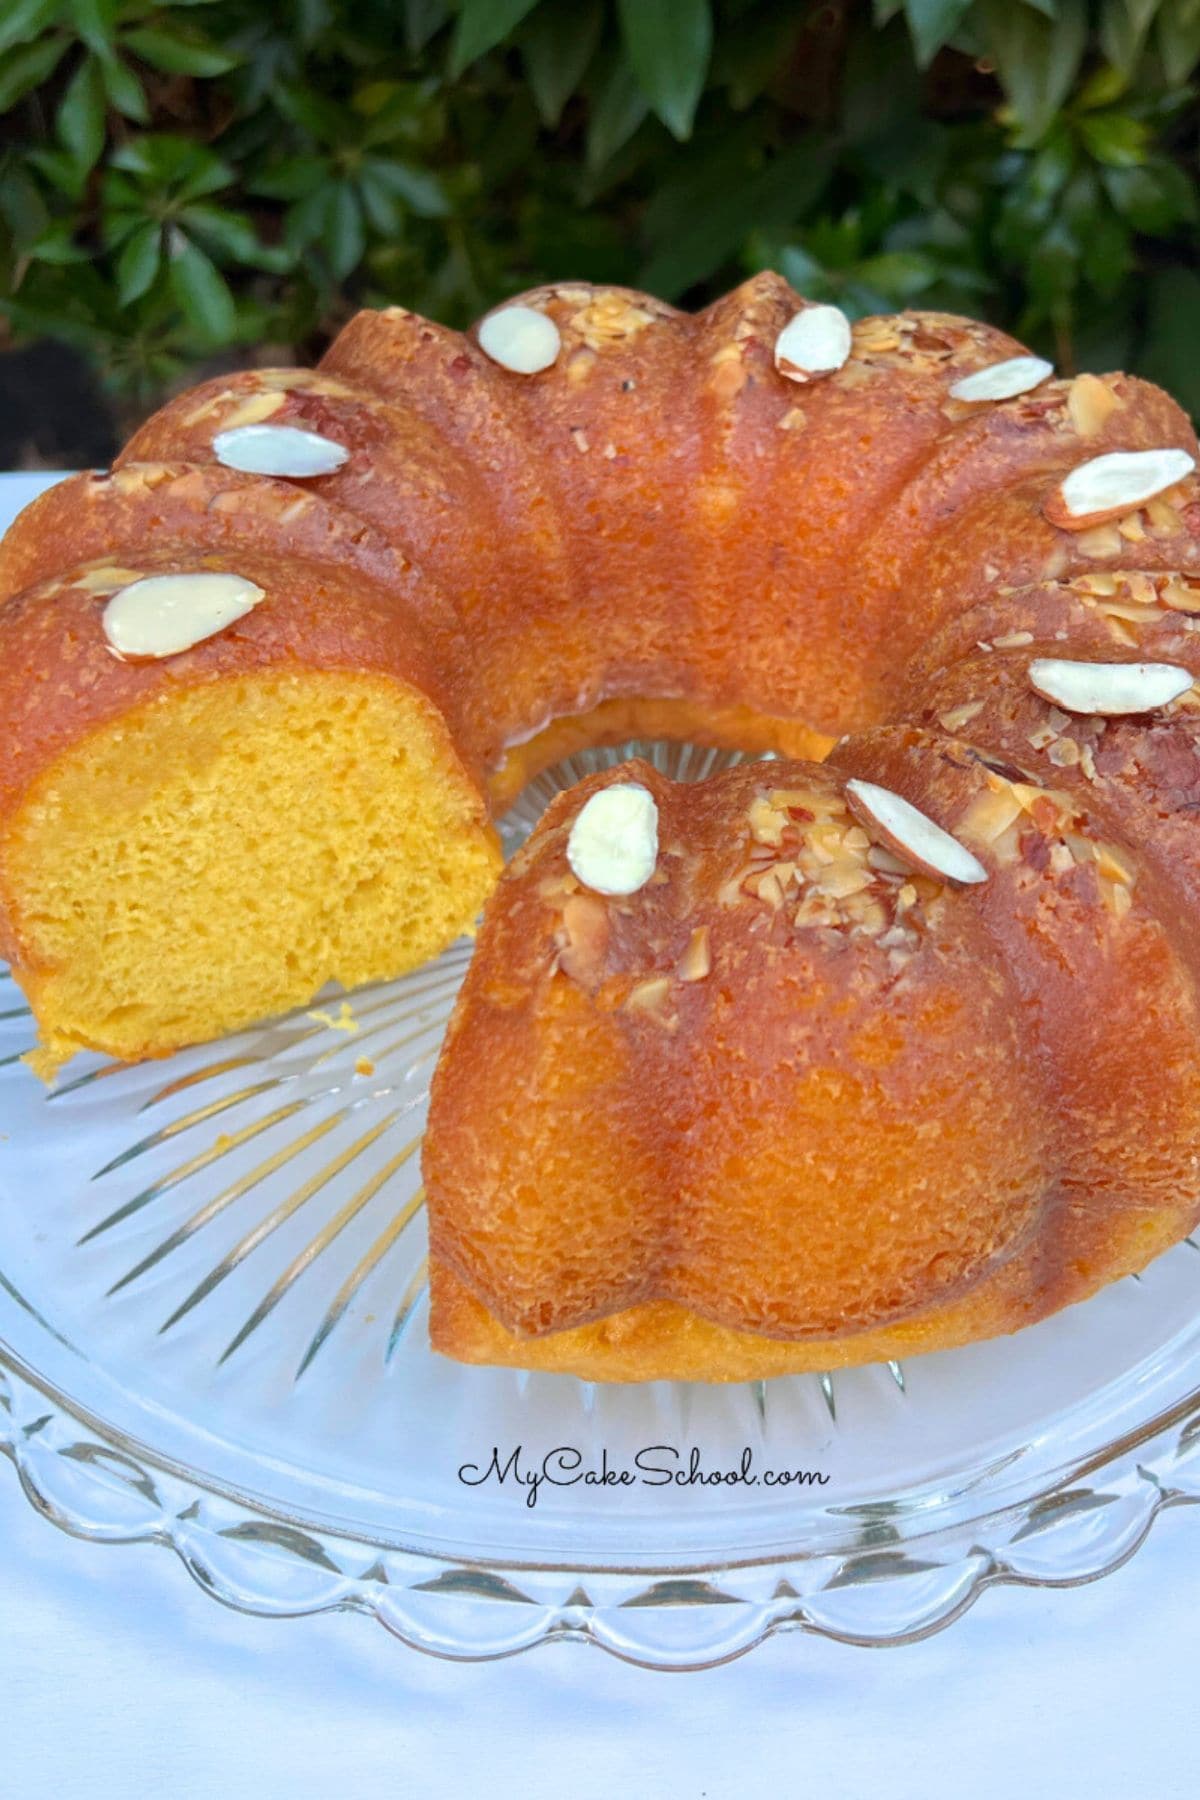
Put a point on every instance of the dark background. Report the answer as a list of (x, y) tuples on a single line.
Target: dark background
[(195, 185)]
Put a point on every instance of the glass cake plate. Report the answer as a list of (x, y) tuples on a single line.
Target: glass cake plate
[(213, 1336)]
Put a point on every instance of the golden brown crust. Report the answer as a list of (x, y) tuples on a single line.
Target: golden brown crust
[(404, 483), (661, 1341), (787, 1106), (60, 681), (615, 1122), (185, 516), (878, 1133)]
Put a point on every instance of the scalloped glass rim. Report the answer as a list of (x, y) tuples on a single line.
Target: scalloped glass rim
[(229, 1358)]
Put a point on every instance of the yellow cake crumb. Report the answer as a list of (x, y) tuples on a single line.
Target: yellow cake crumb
[(342, 1020)]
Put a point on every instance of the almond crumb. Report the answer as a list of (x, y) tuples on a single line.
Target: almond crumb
[(649, 997), (1090, 404), (696, 961), (958, 716)]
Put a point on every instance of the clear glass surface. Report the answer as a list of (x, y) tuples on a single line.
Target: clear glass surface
[(213, 1334)]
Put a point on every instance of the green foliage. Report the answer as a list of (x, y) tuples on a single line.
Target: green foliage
[(184, 180)]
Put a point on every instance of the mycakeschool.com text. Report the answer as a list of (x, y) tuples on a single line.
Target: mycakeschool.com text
[(663, 1466)]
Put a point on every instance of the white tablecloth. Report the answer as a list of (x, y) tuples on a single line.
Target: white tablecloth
[(118, 1676)]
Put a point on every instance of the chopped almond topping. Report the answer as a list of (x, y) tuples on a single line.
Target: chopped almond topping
[(696, 961), (1090, 404)]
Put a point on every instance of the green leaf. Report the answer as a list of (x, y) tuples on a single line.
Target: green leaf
[(1155, 199), (482, 24), (1172, 332), (899, 275), (307, 219), (420, 190), (748, 60), (1101, 88), (26, 67), (202, 293), (290, 180), (177, 54), (57, 245), (1123, 28), (1177, 35), (422, 19), (82, 114), (380, 209), (1037, 58), (932, 24), (701, 236), (617, 109), (328, 122), (125, 90), (398, 112), (173, 165), (96, 22), (22, 207), (60, 171), (669, 43), (138, 262), (1115, 138), (557, 46), (801, 269), (23, 19), (230, 233), (346, 237)]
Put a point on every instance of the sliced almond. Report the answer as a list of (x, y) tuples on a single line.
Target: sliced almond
[(251, 412), (1180, 596), (769, 887), (960, 716), (815, 341), (696, 961), (282, 450), (1090, 405), (991, 814), (767, 822), (909, 834), (1102, 542), (650, 997), (1118, 898), (613, 846), (163, 615), (1109, 689), (1100, 586), (1164, 520), (1003, 380), (1064, 753), (885, 862), (520, 339), (1109, 486), (1113, 865), (583, 935), (844, 879), (105, 578)]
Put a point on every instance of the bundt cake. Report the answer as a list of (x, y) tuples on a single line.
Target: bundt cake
[(820, 1061)]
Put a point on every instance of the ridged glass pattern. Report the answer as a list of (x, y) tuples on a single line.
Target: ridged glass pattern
[(213, 1315)]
